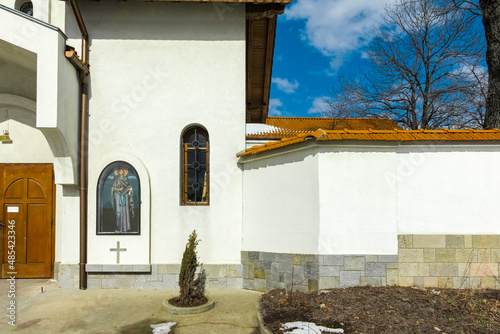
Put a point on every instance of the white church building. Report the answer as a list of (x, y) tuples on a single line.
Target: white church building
[(126, 125)]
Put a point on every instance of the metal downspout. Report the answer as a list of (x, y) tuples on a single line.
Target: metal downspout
[(83, 143)]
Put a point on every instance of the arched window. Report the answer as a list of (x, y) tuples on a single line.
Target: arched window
[(118, 200), (195, 167), (27, 8)]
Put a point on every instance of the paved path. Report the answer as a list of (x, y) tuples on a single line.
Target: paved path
[(120, 311)]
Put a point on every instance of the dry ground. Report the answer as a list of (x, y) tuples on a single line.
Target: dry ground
[(119, 311), (387, 310)]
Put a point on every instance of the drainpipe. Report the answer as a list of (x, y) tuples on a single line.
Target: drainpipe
[(83, 67)]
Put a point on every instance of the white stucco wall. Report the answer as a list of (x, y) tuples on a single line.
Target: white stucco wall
[(280, 210), (22, 80), (8, 3), (67, 224), (357, 206), (365, 195), (28, 144), (57, 89), (157, 68), (448, 190), (41, 8)]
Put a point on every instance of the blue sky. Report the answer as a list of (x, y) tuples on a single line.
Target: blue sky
[(315, 41)]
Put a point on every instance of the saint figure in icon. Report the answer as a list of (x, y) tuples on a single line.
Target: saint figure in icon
[(121, 198)]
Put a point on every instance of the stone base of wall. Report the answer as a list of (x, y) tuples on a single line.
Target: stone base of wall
[(265, 271), (161, 276), (305, 272), (66, 275), (449, 261), (442, 261)]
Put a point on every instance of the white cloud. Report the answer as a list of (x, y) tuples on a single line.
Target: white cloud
[(285, 85), (319, 105), (336, 27), (473, 72), (274, 104)]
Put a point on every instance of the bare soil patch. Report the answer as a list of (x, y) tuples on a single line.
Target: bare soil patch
[(387, 310), (176, 301)]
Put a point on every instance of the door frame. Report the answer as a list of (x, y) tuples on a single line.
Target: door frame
[(52, 211)]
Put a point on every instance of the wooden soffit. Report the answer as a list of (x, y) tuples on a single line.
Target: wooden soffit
[(261, 33)]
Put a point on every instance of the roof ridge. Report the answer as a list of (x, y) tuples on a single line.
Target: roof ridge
[(356, 131), (370, 130)]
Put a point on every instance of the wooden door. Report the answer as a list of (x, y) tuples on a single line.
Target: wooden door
[(27, 202)]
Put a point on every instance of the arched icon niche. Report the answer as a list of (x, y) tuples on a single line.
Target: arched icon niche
[(118, 200)]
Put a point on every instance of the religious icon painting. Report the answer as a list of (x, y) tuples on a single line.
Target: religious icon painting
[(118, 200)]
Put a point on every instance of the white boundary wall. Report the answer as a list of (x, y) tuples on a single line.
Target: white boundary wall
[(280, 210), (357, 206), (367, 195), (449, 190)]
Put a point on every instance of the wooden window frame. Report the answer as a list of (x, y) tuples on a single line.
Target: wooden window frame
[(185, 148)]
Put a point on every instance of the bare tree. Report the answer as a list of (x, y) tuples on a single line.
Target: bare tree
[(471, 6), (491, 21), (475, 80), (489, 10), (424, 59)]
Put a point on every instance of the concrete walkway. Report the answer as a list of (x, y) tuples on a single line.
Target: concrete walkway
[(59, 310)]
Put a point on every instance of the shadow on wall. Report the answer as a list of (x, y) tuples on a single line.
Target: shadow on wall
[(284, 159), (161, 21)]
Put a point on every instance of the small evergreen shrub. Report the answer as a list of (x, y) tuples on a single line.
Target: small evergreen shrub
[(191, 289)]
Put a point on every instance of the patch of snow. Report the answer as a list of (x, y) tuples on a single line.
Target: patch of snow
[(300, 327), (256, 128), (163, 328)]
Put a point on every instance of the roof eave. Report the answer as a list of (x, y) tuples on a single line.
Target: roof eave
[(261, 21), (313, 144), (245, 157)]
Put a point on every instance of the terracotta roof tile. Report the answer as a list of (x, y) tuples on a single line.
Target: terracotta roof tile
[(380, 135), (283, 127)]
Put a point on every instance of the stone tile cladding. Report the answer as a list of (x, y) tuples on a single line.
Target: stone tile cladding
[(444, 261), (162, 276), (449, 261), (264, 271)]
